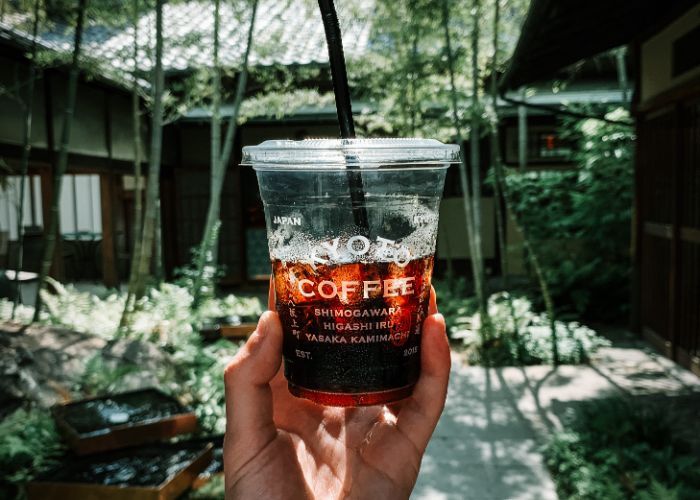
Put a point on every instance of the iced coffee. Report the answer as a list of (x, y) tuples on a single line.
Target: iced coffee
[(351, 291)]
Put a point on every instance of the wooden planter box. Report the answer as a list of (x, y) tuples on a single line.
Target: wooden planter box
[(125, 474), (231, 332), (216, 466), (122, 420)]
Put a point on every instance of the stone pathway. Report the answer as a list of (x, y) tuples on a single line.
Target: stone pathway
[(486, 445)]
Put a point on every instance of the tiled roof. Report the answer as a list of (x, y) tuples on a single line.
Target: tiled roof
[(287, 32)]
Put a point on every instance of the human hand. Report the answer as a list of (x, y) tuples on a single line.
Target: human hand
[(278, 446)]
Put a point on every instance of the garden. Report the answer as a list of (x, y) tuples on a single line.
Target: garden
[(145, 357)]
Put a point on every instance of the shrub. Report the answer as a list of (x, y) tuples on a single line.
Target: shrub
[(29, 444), (244, 308), (188, 276), (617, 449), (165, 316), (520, 336), (454, 302), (80, 311), (201, 381), (580, 219)]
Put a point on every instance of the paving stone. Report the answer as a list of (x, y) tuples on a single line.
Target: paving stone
[(487, 443)]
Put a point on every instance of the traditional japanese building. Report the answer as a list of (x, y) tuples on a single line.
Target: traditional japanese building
[(664, 40), (97, 198)]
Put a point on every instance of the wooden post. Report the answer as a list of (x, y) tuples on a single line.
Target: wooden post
[(522, 134), (110, 276), (46, 177), (674, 296), (637, 228)]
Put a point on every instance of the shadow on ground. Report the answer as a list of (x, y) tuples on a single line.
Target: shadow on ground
[(487, 443)]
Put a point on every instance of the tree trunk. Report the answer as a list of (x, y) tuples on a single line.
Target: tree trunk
[(475, 158), (622, 74), (463, 176), (495, 150), (143, 263), (220, 156), (136, 129), (501, 191), (24, 162), (497, 165), (414, 79), (534, 262), (158, 271), (415, 33), (62, 164), (217, 175)]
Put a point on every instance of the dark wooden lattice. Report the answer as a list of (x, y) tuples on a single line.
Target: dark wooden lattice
[(668, 163)]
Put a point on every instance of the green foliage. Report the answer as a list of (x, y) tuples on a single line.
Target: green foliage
[(279, 103), (202, 256), (244, 308), (452, 302), (215, 489), (23, 314), (201, 381), (99, 377), (164, 317), (405, 75), (580, 219), (520, 336), (617, 449), (81, 311), (29, 444)]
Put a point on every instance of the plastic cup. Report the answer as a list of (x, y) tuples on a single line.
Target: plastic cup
[(352, 285)]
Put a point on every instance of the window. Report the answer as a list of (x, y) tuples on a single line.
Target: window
[(81, 216), (80, 206), (544, 145), (9, 202)]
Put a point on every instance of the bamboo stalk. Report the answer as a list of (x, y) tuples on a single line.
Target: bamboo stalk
[(62, 164), (24, 161), (138, 188), (143, 264), (221, 156), (467, 201)]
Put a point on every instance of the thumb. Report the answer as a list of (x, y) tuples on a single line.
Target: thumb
[(249, 415)]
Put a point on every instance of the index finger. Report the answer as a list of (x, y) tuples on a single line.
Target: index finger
[(249, 404)]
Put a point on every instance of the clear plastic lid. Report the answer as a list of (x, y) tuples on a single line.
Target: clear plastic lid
[(342, 153)]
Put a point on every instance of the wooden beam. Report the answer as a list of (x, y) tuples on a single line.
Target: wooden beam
[(46, 178), (110, 277), (522, 135), (78, 162), (47, 194), (658, 230)]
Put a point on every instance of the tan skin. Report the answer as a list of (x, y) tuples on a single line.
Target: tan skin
[(281, 447)]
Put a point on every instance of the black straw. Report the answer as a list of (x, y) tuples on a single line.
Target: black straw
[(343, 106)]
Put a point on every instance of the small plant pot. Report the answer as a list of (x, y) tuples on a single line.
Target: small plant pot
[(122, 420), (218, 331), (154, 472), (216, 466)]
